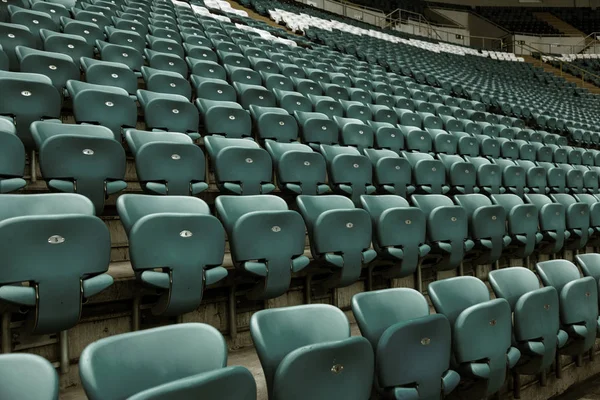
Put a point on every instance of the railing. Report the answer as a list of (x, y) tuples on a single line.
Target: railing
[(536, 54)]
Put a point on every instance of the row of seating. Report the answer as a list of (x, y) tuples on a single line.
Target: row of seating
[(470, 338)]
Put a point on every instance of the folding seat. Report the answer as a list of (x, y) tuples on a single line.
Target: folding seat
[(96, 18), (27, 98), (250, 94), (101, 7), (443, 142), (592, 201), (326, 105), (96, 172), (167, 62), (15, 384), (199, 52), (387, 136), (130, 25), (224, 118), (34, 21), (408, 118), (578, 303), (552, 223), (233, 59), (536, 322), (124, 37), (316, 129), (325, 337), (121, 54), (404, 103), (331, 217), (354, 132), (424, 107), (156, 224), (482, 349), (109, 106), (159, 107), (360, 95), (306, 86), (361, 83), (253, 224), (334, 91), (487, 227), (58, 67), (589, 264), (163, 45), (574, 178), (109, 74), (356, 110), (461, 176), (240, 165), (213, 89), (52, 302), (242, 75), (164, 31), (429, 174), (514, 176), (89, 31), (451, 124), (447, 230), (54, 10), (137, 364), (167, 163), (166, 82), (386, 318), (291, 70), (11, 36), (292, 101), (577, 220), (277, 81), (350, 173), (274, 123)]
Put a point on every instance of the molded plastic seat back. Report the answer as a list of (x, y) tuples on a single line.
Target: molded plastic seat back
[(224, 118), (12, 159), (392, 173), (522, 221), (589, 264), (14, 384), (169, 112), (307, 353), (124, 365)]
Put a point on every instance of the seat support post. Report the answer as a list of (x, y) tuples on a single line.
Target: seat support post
[(461, 269), (179, 319), (592, 354), (419, 279), (369, 278), (6, 335), (232, 315), (543, 378), (516, 385), (579, 360), (497, 264), (135, 314), (63, 343), (308, 289), (558, 366), (527, 262), (33, 167)]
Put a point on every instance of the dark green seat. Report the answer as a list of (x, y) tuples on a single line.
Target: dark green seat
[(96, 18), (398, 233), (73, 46), (447, 230), (416, 140), (213, 89), (179, 236), (250, 94), (206, 69), (242, 75), (392, 174), (34, 21), (58, 67), (556, 177), (43, 234), (461, 176), (429, 175), (108, 106), (129, 56), (27, 98), (130, 25), (536, 176), (16, 371), (84, 159), (522, 224), (397, 323), (169, 112), (594, 204), (350, 173), (292, 101), (274, 123), (536, 322), (12, 159), (354, 132), (164, 45), (443, 142), (578, 303), (198, 50), (109, 74), (167, 163), (408, 118), (276, 81), (487, 226), (166, 82), (89, 31), (356, 110), (552, 223), (481, 332), (240, 165), (307, 353), (316, 129), (387, 136), (166, 62), (467, 145), (514, 177), (54, 10), (299, 169), (340, 236), (138, 366), (578, 220), (326, 105), (124, 37), (266, 240), (225, 118)]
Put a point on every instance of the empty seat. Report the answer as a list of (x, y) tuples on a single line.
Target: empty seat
[(129, 56), (578, 220), (169, 112), (96, 172), (178, 235), (536, 322), (398, 234), (12, 159), (167, 163), (392, 174), (447, 230), (316, 129), (354, 132), (481, 331), (136, 366), (16, 371), (429, 175), (489, 176), (45, 233), (387, 318), (104, 105), (340, 236), (299, 169), (250, 94), (240, 165), (73, 46), (166, 82), (266, 241), (350, 173), (460, 175), (552, 223), (108, 73), (225, 118), (322, 362), (578, 303), (34, 21)]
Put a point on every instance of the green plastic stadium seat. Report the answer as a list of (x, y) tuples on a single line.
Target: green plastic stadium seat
[(15, 383)]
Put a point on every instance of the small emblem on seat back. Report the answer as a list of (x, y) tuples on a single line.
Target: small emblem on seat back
[(337, 368), (56, 239)]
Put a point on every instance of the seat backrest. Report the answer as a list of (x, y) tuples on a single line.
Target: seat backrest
[(311, 207), (120, 366), (427, 203), (589, 264), (16, 371), (557, 273), (512, 283), (454, 295), (376, 205)]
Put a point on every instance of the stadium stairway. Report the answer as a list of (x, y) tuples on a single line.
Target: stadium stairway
[(558, 24), (570, 78)]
